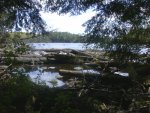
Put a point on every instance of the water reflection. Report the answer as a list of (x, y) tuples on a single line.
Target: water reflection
[(45, 78), (50, 74)]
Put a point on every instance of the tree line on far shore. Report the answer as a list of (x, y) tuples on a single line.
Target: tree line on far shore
[(54, 37)]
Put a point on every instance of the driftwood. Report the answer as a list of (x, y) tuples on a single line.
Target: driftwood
[(79, 53), (70, 72), (63, 56), (2, 67), (54, 55), (67, 51), (53, 50), (31, 60), (92, 64), (76, 73), (1, 50), (30, 56)]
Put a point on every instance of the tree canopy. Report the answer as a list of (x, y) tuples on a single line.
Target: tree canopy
[(59, 37), (21, 15), (113, 17), (121, 25)]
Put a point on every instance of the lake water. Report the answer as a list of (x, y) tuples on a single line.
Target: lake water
[(76, 46), (40, 76), (45, 75)]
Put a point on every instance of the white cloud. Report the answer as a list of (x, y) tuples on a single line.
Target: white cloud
[(67, 23)]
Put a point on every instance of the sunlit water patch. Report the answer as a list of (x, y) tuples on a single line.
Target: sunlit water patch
[(50, 75), (122, 74), (46, 78), (76, 46), (91, 71)]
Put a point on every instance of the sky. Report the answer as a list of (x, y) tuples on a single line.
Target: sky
[(67, 23)]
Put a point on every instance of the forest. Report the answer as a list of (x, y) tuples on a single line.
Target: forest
[(60, 37), (120, 82), (47, 37)]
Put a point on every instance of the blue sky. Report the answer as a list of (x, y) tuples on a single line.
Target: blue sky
[(67, 23)]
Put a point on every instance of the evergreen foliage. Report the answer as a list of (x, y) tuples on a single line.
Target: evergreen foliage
[(54, 37), (21, 14), (19, 94), (119, 26)]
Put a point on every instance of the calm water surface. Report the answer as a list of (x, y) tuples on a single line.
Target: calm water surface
[(76, 46), (45, 74), (42, 75)]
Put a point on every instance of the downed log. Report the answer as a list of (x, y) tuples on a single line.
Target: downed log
[(106, 64), (79, 53), (70, 72), (27, 59), (53, 50), (92, 64), (1, 50), (30, 60), (71, 57), (85, 58), (77, 73), (29, 56), (64, 57), (2, 67)]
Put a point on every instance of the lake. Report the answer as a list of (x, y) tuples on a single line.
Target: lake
[(50, 73), (46, 74), (76, 46)]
